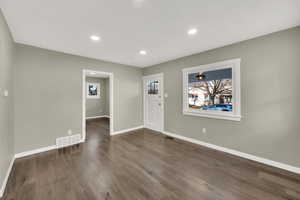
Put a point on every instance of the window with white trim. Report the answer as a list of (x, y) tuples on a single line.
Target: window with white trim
[(93, 90), (213, 90)]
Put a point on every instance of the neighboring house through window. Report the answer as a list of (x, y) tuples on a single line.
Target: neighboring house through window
[(213, 90)]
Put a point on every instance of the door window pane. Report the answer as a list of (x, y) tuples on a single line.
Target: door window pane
[(153, 87)]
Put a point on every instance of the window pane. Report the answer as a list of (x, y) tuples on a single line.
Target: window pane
[(211, 90), (93, 90), (153, 87)]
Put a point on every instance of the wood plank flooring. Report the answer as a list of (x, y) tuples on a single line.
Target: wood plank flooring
[(144, 165)]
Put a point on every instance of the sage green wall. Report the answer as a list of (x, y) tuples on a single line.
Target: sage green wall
[(6, 103), (98, 107), (270, 74), (48, 95)]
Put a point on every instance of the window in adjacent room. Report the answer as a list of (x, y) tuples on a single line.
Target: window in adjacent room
[(93, 90)]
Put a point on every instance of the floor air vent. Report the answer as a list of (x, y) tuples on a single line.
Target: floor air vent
[(68, 140)]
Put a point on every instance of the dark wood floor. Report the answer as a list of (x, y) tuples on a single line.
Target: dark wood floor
[(144, 165)]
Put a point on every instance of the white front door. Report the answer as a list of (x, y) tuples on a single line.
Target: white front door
[(153, 102)]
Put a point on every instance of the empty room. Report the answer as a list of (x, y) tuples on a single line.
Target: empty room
[(149, 100)]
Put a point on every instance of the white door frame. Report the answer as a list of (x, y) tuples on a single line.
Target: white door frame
[(85, 73), (160, 75)]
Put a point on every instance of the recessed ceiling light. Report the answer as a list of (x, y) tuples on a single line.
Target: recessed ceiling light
[(143, 52), (95, 38), (192, 31), (138, 3)]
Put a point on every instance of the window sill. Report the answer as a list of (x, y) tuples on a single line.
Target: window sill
[(214, 115), (93, 97)]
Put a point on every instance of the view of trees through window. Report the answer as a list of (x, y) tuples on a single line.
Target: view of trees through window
[(211, 90)]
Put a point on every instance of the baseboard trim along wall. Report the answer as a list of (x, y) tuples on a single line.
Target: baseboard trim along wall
[(96, 117), (126, 130), (35, 151), (40, 150), (3, 186), (237, 153), (49, 148), (24, 154), (212, 146)]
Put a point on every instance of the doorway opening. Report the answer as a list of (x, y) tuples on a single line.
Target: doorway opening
[(97, 98)]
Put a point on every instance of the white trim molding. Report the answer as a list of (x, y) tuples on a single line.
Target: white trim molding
[(40, 150), (162, 94), (4, 183), (99, 116), (127, 130), (235, 115), (35, 151), (24, 154), (88, 96), (97, 74), (237, 153)]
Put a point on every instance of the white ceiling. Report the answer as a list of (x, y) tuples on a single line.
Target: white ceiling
[(158, 26)]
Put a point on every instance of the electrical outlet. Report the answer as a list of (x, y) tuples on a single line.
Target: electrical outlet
[(5, 93), (69, 132), (204, 130)]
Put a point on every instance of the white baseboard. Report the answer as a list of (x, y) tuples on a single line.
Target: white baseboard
[(4, 183), (40, 150), (21, 155), (126, 130), (212, 146), (154, 129), (99, 116), (237, 153), (35, 151)]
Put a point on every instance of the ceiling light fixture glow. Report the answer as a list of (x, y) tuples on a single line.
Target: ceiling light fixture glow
[(95, 38), (143, 52), (192, 31)]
